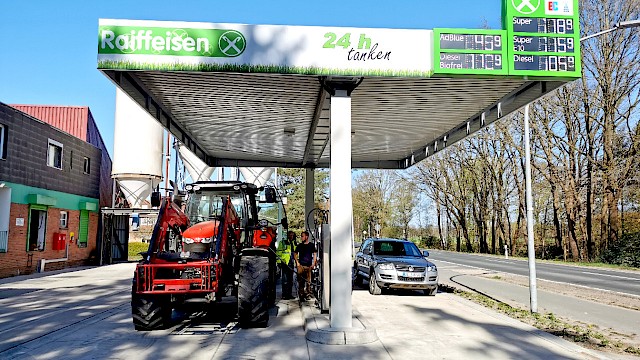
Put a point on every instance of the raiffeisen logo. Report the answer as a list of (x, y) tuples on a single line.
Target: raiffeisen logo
[(168, 41)]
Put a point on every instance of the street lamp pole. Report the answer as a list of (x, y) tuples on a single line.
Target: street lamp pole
[(533, 292)]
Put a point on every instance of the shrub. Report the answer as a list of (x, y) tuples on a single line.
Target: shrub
[(626, 251)]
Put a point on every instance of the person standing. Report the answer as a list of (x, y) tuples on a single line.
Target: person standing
[(285, 262), (305, 258)]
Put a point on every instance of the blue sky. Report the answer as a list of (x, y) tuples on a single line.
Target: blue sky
[(49, 48)]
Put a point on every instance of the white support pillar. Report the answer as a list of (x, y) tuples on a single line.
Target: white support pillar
[(533, 292), (309, 201), (340, 312)]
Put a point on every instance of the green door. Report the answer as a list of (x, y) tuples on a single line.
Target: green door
[(83, 232)]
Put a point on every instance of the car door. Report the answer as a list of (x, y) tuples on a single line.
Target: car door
[(361, 257)]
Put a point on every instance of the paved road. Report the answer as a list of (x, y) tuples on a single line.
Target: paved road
[(612, 280), (86, 315)]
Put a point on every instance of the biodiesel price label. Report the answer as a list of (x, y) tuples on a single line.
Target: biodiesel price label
[(469, 52), (540, 33)]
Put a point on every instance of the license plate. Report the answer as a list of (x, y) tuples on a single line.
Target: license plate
[(412, 274)]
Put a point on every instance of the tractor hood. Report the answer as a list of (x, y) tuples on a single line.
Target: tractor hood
[(200, 231)]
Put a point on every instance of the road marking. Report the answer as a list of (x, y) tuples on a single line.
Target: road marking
[(551, 281), (614, 276)]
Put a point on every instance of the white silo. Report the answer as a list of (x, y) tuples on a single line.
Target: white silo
[(197, 169), (256, 175), (137, 150)]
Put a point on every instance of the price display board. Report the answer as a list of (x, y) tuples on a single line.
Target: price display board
[(543, 38), (470, 52)]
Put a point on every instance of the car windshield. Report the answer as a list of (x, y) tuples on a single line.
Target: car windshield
[(395, 248)]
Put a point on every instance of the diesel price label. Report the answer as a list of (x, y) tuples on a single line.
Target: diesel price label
[(544, 63)]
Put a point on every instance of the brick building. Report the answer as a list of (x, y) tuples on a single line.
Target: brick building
[(51, 187)]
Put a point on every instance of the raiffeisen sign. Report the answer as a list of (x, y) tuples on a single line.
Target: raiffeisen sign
[(313, 50), (169, 41)]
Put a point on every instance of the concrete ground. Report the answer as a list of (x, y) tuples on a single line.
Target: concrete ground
[(85, 314)]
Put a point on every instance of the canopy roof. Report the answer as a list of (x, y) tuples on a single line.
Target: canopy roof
[(239, 119), (253, 95)]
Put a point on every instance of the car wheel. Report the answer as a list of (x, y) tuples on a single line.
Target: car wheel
[(430, 292), (357, 278), (374, 289)]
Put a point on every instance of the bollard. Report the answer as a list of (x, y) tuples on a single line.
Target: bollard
[(506, 251)]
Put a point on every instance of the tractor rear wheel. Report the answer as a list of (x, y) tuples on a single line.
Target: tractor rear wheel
[(150, 312), (253, 291)]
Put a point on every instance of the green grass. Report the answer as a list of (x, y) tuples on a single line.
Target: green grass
[(135, 248), (548, 322), (311, 70)]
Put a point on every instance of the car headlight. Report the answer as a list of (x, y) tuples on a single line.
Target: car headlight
[(206, 240), (432, 268), (188, 240), (386, 267)]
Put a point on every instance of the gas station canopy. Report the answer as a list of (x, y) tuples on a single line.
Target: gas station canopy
[(259, 95)]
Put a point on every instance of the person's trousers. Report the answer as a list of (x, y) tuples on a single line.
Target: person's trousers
[(304, 281), (287, 280)]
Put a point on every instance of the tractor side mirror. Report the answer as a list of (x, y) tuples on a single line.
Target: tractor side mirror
[(285, 223), (155, 199), (270, 195)]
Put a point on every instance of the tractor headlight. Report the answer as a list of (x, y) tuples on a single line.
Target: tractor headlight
[(188, 240), (206, 240), (388, 266)]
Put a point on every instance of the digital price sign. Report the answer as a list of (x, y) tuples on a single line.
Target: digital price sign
[(543, 25), (543, 38), (470, 52), (543, 44), (547, 63)]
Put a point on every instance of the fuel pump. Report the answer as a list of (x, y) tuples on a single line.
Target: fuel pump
[(320, 232)]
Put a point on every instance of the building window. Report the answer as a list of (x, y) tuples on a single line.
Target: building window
[(54, 154), (64, 219), (3, 142), (87, 165)]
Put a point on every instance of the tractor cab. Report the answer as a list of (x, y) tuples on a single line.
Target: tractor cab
[(212, 208)]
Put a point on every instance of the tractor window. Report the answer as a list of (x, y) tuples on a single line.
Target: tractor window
[(206, 206)]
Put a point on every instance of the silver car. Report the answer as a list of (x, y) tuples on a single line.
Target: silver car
[(394, 264)]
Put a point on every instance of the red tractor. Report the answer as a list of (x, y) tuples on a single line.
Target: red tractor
[(211, 246)]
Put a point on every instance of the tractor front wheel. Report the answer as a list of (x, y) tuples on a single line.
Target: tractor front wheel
[(150, 312), (253, 291)]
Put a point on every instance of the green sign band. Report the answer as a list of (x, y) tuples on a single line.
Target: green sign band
[(131, 40)]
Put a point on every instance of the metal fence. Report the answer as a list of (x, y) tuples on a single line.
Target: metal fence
[(4, 239)]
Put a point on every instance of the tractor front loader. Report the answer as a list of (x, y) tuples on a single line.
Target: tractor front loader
[(210, 247)]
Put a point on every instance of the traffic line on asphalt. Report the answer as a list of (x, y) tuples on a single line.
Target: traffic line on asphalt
[(552, 281), (614, 276)]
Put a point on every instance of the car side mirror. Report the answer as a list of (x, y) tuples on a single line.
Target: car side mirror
[(425, 253)]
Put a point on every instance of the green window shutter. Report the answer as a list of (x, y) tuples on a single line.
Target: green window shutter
[(83, 232)]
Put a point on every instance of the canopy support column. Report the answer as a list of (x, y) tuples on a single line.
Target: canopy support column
[(340, 313), (309, 201)]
